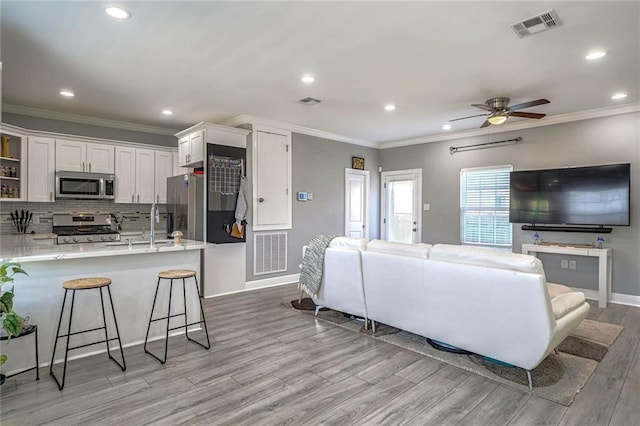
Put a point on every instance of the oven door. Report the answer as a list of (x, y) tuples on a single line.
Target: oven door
[(79, 185)]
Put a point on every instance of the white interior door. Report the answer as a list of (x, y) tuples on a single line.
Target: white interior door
[(401, 200), (356, 203)]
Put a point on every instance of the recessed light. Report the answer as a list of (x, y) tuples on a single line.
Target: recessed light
[(167, 112), (67, 93), (389, 107), (308, 78), (595, 54), (117, 12), (446, 126), (617, 96)]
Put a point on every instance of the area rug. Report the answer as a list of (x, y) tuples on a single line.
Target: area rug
[(558, 378)]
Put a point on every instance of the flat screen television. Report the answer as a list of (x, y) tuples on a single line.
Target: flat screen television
[(595, 195)]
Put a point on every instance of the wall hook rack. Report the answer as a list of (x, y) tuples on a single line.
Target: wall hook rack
[(454, 149)]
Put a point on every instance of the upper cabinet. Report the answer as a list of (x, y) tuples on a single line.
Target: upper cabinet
[(271, 162), (163, 170), (12, 166), (41, 169), (76, 156), (191, 142), (135, 175)]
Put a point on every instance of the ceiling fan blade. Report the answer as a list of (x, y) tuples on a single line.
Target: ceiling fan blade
[(527, 114), (529, 104), (485, 124), (483, 106), (470, 116)]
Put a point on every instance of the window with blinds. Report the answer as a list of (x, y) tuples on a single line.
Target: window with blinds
[(484, 206)]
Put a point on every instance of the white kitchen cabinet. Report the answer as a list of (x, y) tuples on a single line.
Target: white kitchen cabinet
[(271, 179), (135, 175), (76, 156), (41, 168), (145, 176), (12, 165), (163, 170), (191, 148)]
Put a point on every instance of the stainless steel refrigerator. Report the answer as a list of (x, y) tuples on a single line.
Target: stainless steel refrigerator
[(186, 206)]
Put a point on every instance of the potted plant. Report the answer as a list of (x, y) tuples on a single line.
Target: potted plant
[(11, 321)]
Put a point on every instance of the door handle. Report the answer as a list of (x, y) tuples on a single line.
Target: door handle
[(414, 229), (89, 166), (138, 197), (132, 198), (50, 196), (260, 200), (157, 199), (83, 166)]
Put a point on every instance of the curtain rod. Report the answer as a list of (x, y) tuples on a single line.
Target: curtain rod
[(454, 149)]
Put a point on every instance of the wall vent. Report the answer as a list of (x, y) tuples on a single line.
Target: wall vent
[(309, 101), (542, 22), (269, 253)]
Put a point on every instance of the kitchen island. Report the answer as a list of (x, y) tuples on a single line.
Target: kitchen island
[(133, 269)]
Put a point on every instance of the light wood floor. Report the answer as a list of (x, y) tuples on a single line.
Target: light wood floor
[(271, 365)]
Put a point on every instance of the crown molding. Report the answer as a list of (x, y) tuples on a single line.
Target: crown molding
[(84, 119), (251, 119), (520, 125)]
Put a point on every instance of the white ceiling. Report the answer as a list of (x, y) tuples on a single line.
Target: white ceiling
[(210, 61)]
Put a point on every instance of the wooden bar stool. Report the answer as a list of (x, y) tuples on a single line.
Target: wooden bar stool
[(85, 284), (171, 275)]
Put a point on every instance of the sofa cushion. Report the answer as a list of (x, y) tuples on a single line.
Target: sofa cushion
[(349, 243), (491, 258), (556, 290), (565, 303), (420, 250)]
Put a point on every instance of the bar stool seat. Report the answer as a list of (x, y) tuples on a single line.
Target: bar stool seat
[(85, 283), (179, 274), (82, 284)]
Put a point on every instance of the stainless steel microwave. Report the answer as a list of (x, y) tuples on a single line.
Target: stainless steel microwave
[(81, 185)]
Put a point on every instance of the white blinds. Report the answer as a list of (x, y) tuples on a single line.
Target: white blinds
[(484, 206)]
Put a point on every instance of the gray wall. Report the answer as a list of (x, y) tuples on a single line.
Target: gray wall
[(65, 127), (318, 167), (605, 140)]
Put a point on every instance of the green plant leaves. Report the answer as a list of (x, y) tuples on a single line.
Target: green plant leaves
[(6, 302), (12, 323)]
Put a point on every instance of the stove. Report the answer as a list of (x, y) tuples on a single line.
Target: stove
[(83, 228)]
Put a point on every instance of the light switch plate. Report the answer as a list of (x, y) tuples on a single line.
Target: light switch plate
[(302, 196), (426, 207)]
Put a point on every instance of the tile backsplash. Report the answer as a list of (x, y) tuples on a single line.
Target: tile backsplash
[(135, 216)]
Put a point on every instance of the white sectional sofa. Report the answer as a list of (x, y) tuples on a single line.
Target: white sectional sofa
[(492, 303)]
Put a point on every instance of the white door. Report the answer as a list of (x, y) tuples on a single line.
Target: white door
[(272, 200), (184, 150), (41, 169), (401, 200), (100, 158), (356, 202), (196, 150), (71, 156), (145, 176)]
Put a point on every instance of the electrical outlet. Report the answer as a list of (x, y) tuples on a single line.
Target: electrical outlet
[(573, 264), (564, 263)]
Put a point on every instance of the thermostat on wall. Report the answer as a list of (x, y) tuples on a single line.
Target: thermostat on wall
[(302, 196)]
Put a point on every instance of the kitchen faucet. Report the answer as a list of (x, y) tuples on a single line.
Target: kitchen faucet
[(155, 218)]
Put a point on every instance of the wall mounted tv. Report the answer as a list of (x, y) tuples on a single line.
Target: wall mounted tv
[(595, 195)]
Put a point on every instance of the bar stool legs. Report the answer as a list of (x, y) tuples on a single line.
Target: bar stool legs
[(169, 315), (68, 335)]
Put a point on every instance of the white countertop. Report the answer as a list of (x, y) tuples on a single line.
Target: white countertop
[(26, 251)]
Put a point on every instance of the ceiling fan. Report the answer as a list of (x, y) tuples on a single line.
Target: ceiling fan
[(499, 110)]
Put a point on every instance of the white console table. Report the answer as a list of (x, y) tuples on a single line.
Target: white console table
[(604, 255)]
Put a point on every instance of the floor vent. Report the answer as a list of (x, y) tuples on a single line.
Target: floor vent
[(269, 253), (542, 22)]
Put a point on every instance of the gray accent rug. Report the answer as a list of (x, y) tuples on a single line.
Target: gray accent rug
[(558, 378)]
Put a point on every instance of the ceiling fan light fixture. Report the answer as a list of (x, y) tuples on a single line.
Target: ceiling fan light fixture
[(497, 119)]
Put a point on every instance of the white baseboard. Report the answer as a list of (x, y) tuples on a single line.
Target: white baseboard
[(619, 298), (271, 282)]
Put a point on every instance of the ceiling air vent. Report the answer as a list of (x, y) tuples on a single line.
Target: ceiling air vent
[(542, 22), (309, 101)]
